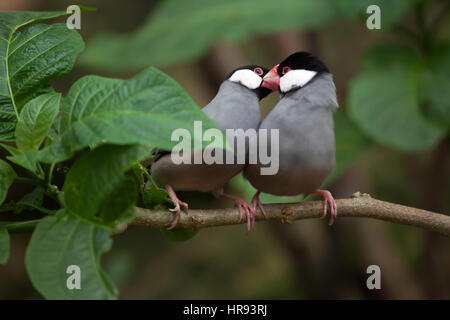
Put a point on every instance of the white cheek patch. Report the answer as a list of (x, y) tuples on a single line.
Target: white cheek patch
[(295, 79), (247, 78)]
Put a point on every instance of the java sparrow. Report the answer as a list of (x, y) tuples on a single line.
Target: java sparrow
[(235, 106), (304, 117)]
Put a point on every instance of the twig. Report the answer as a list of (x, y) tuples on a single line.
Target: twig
[(360, 205)]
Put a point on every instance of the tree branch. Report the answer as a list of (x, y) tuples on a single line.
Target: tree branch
[(360, 205)]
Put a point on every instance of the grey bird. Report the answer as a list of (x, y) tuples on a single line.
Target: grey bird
[(304, 118), (235, 106)]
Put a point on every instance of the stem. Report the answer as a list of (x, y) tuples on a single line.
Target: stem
[(34, 182), (145, 172), (48, 179), (20, 227), (41, 173), (8, 207), (421, 22)]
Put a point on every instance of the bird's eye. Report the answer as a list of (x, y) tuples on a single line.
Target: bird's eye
[(285, 70), (258, 71)]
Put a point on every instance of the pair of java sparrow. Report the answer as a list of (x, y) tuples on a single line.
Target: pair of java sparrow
[(303, 116)]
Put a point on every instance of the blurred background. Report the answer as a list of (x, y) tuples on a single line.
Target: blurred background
[(392, 133)]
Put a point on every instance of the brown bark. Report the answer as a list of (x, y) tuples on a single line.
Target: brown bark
[(360, 205)]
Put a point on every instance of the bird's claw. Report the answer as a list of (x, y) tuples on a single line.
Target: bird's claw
[(328, 201), (177, 209), (256, 203), (245, 209)]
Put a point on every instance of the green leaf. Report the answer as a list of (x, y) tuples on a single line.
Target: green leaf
[(29, 59), (178, 235), (62, 241), (161, 40), (120, 201), (126, 216), (143, 110), (12, 150), (27, 160), (141, 172), (34, 123), (33, 199), (7, 176), (35, 120), (4, 245), (19, 226), (391, 11), (138, 171), (98, 178), (154, 195), (434, 87), (386, 106), (389, 55), (87, 9)]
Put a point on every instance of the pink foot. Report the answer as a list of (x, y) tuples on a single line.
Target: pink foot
[(177, 208), (244, 209), (328, 200), (256, 203)]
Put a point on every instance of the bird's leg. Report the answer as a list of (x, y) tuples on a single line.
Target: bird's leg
[(256, 203), (243, 208), (176, 209), (328, 200)]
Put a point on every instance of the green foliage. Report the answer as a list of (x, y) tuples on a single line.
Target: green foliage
[(106, 126), (29, 59), (7, 176), (27, 160), (33, 200), (179, 30), (4, 245), (154, 196), (35, 120), (112, 124), (143, 110), (59, 242), (434, 87), (98, 178), (385, 100), (161, 41)]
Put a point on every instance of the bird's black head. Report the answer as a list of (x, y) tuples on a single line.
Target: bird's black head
[(299, 69), (251, 77), (301, 61)]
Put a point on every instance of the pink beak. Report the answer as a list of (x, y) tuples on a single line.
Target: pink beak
[(271, 80)]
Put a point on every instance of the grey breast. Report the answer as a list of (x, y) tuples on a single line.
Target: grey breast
[(304, 119), (233, 107)]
